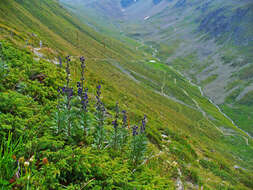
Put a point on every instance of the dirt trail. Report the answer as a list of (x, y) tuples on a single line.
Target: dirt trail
[(128, 73)]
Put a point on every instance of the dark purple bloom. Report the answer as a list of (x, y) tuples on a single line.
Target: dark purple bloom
[(143, 124), (69, 92), (63, 89), (68, 58), (80, 89), (124, 120), (80, 92), (135, 130), (98, 93), (85, 100), (60, 61), (85, 94), (115, 123), (82, 59)]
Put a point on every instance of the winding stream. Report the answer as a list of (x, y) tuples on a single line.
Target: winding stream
[(154, 54), (202, 93)]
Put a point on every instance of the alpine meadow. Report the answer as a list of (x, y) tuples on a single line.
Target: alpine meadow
[(126, 94)]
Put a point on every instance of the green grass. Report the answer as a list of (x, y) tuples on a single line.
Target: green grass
[(246, 73), (241, 114), (209, 80)]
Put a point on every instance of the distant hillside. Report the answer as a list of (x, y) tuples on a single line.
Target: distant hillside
[(56, 27)]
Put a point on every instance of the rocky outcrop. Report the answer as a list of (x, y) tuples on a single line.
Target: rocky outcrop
[(224, 22)]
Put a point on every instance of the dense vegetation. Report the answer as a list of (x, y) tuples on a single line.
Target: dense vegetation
[(73, 125), (66, 141)]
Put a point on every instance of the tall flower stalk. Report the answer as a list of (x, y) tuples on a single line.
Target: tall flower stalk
[(120, 135), (59, 118), (100, 117), (82, 59), (116, 136), (68, 70), (69, 94), (138, 143), (62, 116), (124, 130), (60, 62), (84, 99)]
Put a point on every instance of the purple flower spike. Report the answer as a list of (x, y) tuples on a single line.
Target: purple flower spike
[(135, 128), (143, 124), (60, 61), (80, 92), (78, 84), (124, 119), (82, 59), (63, 89), (68, 58), (115, 124), (85, 100)]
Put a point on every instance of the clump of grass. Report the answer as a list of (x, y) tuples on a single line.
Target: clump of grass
[(8, 163)]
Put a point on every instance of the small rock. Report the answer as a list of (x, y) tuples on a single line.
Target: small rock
[(179, 184)]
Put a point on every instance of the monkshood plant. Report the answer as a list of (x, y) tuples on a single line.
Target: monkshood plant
[(120, 134), (124, 134), (84, 101), (72, 117), (60, 115), (99, 135), (66, 114), (138, 143), (115, 140)]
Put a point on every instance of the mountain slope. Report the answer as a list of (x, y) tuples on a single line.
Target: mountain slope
[(216, 36), (187, 132)]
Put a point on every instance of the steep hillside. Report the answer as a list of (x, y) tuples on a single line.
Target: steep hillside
[(67, 32), (191, 142), (209, 41)]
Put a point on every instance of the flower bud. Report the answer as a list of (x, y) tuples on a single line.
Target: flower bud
[(31, 159), (21, 159), (12, 180), (14, 157), (45, 161), (26, 164)]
